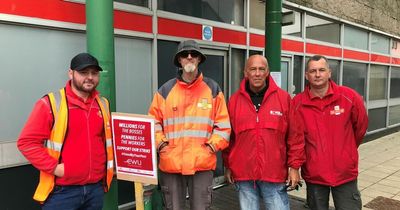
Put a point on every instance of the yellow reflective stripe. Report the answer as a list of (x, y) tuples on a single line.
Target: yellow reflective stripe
[(223, 125), (110, 164), (188, 133), (108, 143), (224, 135), (188, 119), (53, 145)]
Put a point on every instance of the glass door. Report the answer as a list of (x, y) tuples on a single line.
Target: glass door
[(287, 74), (215, 67)]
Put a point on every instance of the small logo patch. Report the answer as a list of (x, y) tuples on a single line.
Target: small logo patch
[(277, 113), (337, 110), (99, 114), (204, 104)]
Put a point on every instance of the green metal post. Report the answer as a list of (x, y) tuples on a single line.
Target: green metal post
[(273, 33), (100, 43)]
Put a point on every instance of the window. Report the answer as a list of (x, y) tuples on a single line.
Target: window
[(322, 30), (143, 3), (257, 14), (355, 76), (295, 28), (237, 67), (376, 118), (379, 43), (298, 75), (226, 11), (334, 65), (395, 51), (395, 82), (23, 83), (394, 115), (378, 82), (355, 38), (133, 75)]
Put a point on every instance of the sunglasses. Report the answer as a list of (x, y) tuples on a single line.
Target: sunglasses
[(185, 54)]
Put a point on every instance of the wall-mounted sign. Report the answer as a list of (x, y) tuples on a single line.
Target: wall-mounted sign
[(207, 33), (133, 141)]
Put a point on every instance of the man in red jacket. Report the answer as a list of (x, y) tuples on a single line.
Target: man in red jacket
[(335, 122), (265, 142), (68, 138)]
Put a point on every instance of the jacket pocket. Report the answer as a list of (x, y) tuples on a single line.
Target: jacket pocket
[(205, 158)]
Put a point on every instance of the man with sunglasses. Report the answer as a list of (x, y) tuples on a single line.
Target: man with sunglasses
[(68, 138), (192, 124), (266, 148)]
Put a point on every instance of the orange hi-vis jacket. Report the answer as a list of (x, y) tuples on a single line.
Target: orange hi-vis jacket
[(190, 117), (54, 144)]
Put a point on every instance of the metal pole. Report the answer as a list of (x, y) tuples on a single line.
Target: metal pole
[(273, 33), (100, 43)]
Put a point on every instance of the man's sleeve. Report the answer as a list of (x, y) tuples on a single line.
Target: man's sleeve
[(34, 134), (295, 138), (359, 119), (155, 110), (222, 127)]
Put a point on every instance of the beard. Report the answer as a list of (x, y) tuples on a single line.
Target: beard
[(86, 86), (189, 68)]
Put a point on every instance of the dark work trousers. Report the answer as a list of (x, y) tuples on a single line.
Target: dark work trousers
[(175, 187), (345, 196)]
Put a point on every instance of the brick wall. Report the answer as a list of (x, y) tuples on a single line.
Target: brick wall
[(383, 15)]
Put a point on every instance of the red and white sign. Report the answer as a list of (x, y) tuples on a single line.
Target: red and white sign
[(134, 151)]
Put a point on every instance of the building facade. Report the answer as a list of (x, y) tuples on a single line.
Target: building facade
[(38, 39)]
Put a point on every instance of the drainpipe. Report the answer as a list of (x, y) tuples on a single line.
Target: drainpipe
[(100, 43), (273, 33)]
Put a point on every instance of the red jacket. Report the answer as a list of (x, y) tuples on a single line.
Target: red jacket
[(83, 152), (334, 127), (263, 145)]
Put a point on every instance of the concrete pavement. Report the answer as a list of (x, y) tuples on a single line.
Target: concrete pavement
[(379, 170)]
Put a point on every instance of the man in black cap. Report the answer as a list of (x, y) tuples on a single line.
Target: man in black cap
[(192, 124), (68, 139)]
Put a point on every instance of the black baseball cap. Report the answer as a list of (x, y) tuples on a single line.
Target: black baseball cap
[(84, 60)]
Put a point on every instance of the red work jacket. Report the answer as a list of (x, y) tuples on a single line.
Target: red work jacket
[(265, 143), (334, 127)]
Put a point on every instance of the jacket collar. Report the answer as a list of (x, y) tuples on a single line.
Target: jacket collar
[(331, 95), (195, 82), (272, 87), (75, 99)]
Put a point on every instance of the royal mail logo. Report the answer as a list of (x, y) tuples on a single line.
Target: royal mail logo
[(337, 110), (204, 104), (277, 113)]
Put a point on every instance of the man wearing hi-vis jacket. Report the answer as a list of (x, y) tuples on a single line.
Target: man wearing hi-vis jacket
[(192, 124), (68, 138)]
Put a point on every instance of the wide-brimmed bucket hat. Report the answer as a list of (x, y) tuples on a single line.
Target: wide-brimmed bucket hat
[(188, 45)]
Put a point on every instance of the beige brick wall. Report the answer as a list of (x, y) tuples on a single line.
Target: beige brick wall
[(383, 15)]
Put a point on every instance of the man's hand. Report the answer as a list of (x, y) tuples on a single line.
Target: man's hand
[(293, 177), (228, 176), (59, 171)]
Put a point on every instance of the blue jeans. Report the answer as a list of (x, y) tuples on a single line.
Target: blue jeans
[(76, 197), (274, 195)]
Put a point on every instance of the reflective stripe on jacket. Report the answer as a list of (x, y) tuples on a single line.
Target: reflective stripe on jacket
[(334, 127), (54, 144), (188, 117)]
